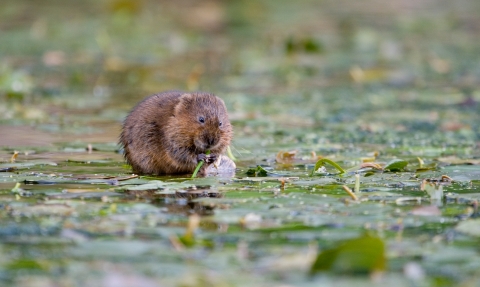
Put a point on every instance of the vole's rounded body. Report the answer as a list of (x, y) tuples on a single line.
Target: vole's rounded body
[(168, 133)]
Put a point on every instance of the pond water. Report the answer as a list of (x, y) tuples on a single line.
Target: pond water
[(388, 91)]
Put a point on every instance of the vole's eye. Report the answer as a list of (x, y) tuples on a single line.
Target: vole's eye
[(201, 120), (220, 124)]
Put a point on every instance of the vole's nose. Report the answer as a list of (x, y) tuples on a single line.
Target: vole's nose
[(210, 141)]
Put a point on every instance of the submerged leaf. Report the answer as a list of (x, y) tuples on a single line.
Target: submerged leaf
[(360, 255)]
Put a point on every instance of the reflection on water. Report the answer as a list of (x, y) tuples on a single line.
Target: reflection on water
[(182, 201)]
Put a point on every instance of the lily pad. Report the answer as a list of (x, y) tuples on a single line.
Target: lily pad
[(159, 185), (396, 165), (470, 227), (258, 171), (362, 255)]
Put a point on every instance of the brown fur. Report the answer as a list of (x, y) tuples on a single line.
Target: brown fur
[(163, 134)]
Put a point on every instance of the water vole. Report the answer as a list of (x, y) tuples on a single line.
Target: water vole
[(168, 133)]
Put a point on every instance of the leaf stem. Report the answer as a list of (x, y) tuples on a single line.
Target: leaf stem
[(199, 165), (230, 154)]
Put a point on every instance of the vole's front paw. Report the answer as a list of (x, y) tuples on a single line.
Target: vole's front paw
[(201, 157), (211, 158), (207, 158)]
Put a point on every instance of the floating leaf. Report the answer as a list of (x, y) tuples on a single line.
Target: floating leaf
[(435, 191), (312, 46), (322, 161), (24, 165), (360, 255), (25, 264), (43, 210), (266, 179), (430, 166), (258, 171), (373, 165), (290, 45), (307, 45), (17, 189), (396, 165), (188, 239), (459, 161), (158, 184), (470, 227), (69, 194), (286, 157), (430, 210)]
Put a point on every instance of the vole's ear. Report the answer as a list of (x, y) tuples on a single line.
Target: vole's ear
[(186, 101), (186, 96)]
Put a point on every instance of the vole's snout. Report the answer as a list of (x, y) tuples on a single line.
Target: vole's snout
[(206, 141), (210, 141)]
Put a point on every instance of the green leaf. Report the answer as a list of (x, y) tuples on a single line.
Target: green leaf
[(360, 255), (310, 45), (396, 165), (25, 264), (290, 45), (258, 171), (230, 154), (322, 161)]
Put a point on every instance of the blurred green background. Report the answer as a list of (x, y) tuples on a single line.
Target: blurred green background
[(61, 60)]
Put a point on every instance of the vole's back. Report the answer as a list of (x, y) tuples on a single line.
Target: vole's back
[(143, 136)]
